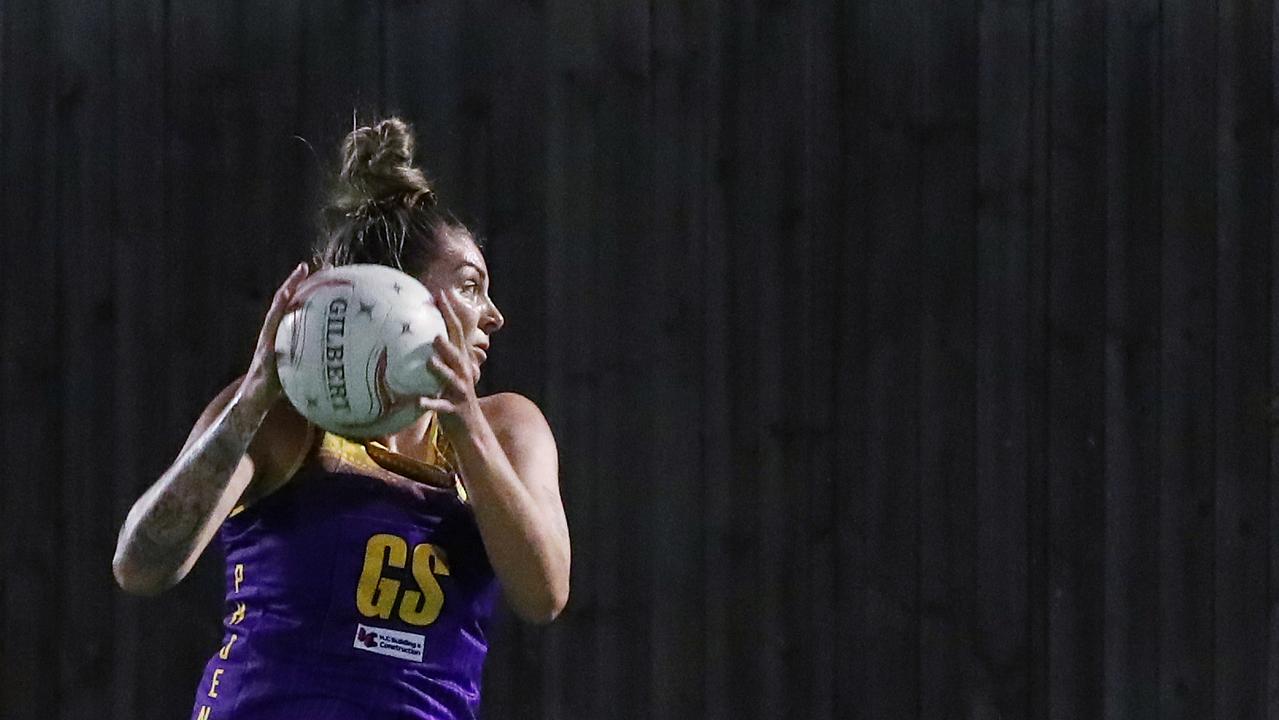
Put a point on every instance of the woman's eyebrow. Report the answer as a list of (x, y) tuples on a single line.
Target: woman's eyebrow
[(468, 263)]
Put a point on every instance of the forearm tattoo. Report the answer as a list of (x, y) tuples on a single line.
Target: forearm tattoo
[(170, 526)]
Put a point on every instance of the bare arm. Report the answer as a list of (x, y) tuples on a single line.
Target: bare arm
[(510, 468), (170, 525), (511, 471)]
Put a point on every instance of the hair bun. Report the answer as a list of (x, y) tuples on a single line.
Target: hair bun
[(378, 169)]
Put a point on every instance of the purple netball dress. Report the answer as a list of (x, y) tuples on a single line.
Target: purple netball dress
[(351, 593)]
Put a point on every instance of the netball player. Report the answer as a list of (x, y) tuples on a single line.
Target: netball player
[(360, 577)]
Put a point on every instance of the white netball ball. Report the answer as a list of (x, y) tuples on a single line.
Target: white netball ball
[(353, 349)]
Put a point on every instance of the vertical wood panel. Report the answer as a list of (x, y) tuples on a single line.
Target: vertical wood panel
[(274, 210), (1076, 286), (1132, 362), (675, 282), (946, 100), (1272, 475), (813, 669), (1038, 498), (714, 417), (1187, 362), (32, 554), (891, 481), (565, 145), (424, 72), (6, 280), (622, 238), (338, 81), (753, 646), (1001, 611), (772, 282), (84, 227), (138, 121), (744, 668), (574, 353), (512, 183), (1242, 377), (848, 332)]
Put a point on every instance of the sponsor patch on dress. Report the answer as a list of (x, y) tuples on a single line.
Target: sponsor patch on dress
[(403, 645)]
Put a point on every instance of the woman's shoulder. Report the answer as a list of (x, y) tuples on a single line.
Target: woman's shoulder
[(508, 403), (513, 414)]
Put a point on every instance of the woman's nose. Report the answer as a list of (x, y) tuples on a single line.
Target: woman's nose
[(493, 319)]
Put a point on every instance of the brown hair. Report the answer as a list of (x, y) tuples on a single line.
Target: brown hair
[(382, 208)]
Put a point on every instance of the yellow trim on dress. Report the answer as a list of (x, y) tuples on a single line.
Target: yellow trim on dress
[(439, 470), (365, 456)]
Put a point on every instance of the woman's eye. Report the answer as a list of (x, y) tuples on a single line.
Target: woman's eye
[(470, 288)]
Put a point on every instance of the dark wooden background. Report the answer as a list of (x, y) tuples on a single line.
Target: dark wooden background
[(908, 358)]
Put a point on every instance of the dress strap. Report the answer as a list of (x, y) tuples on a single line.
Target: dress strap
[(411, 468), (439, 470)]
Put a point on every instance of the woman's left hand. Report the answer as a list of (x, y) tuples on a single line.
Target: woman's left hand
[(508, 463), (455, 367)]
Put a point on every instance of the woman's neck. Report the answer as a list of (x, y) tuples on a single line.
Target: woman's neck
[(411, 441)]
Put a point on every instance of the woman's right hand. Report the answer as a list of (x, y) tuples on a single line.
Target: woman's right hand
[(170, 525), (263, 367)]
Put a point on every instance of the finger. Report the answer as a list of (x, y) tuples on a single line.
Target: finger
[(295, 277), (289, 287), (449, 353), (451, 323), (458, 360), (298, 273), (449, 378), (280, 305), (439, 405)]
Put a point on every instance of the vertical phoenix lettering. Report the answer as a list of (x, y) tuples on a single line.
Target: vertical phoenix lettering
[(213, 684)]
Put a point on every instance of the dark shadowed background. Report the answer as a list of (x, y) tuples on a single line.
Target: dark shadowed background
[(908, 358)]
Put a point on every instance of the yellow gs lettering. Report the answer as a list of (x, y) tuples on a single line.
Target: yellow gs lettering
[(422, 608), (376, 596)]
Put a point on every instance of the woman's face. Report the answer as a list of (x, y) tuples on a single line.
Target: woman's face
[(459, 271)]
